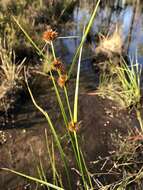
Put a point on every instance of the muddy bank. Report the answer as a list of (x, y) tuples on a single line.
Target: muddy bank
[(21, 149)]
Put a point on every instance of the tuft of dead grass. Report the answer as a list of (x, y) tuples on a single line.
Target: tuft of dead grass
[(111, 43), (10, 74)]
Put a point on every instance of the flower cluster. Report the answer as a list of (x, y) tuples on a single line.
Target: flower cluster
[(62, 80), (49, 35), (59, 66), (73, 127)]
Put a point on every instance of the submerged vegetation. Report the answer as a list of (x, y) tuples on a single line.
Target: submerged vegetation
[(69, 165)]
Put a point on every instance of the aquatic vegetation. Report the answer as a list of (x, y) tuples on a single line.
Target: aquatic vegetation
[(122, 84)]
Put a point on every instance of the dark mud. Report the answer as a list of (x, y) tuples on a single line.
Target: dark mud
[(21, 149)]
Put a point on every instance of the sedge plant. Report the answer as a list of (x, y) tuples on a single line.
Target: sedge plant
[(72, 124)]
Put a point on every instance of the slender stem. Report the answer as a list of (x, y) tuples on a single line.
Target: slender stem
[(62, 107), (87, 172), (33, 179), (79, 159), (65, 90), (53, 50), (83, 38), (59, 100), (75, 119), (42, 171), (55, 172), (77, 88), (54, 134), (68, 103), (28, 37)]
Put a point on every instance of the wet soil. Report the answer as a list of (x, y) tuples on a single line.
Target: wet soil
[(22, 148)]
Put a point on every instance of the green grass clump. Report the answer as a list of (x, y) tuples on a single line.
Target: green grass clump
[(121, 84)]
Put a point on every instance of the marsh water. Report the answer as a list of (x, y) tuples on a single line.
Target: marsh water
[(25, 118)]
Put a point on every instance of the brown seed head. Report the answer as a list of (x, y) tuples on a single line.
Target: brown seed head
[(62, 80), (58, 65), (73, 127), (49, 35)]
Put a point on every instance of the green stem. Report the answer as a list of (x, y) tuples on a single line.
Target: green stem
[(33, 179), (68, 103), (79, 160), (59, 100), (53, 50), (54, 134), (83, 38)]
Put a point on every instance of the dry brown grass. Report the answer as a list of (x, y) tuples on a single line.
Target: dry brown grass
[(10, 74), (10, 71), (111, 44)]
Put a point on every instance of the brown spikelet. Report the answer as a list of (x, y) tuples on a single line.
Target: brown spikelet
[(49, 35), (62, 69), (73, 127), (62, 80), (58, 65)]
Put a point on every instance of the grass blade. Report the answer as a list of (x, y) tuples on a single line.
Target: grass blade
[(77, 87), (83, 38), (33, 179)]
